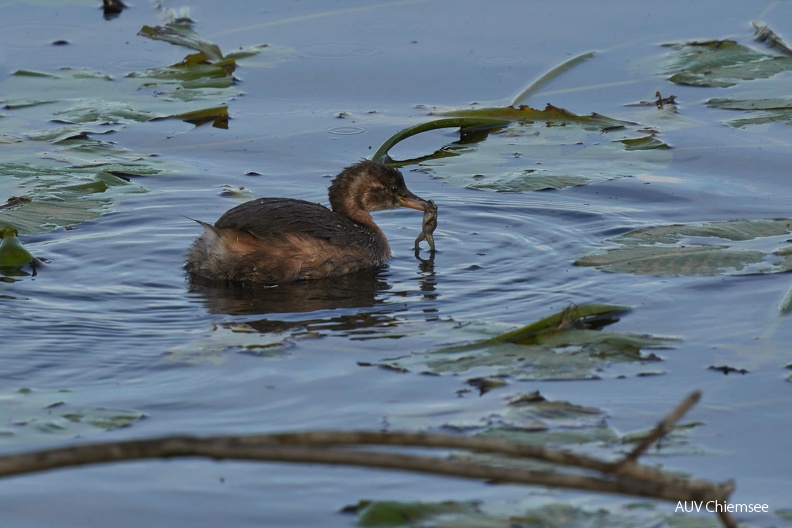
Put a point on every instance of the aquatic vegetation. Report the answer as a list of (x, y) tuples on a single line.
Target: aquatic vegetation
[(12, 253), (534, 512), (726, 63), (67, 111), (567, 345), (37, 415), (713, 248)]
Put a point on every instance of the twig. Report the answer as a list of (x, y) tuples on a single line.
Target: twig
[(624, 477), (662, 428)]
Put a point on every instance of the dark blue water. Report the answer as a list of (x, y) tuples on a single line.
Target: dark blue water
[(113, 319)]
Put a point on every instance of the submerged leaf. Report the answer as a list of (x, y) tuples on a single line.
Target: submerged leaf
[(706, 249), (29, 415)]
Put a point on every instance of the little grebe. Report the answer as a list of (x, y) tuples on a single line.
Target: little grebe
[(276, 240)]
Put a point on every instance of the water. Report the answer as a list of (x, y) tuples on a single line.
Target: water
[(113, 319)]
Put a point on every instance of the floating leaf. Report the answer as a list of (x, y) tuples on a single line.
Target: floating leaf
[(524, 149), (533, 513), (769, 37), (721, 63), (78, 176), (228, 338), (183, 35), (715, 248), (551, 116), (57, 196), (760, 110), (29, 415), (373, 514), (643, 143), (566, 349), (12, 253)]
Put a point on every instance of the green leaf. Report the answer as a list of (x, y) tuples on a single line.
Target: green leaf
[(760, 111), (227, 338), (561, 346), (643, 143), (57, 196), (715, 248), (721, 63), (551, 116), (386, 514), (32, 415), (183, 35), (534, 512), (523, 149), (12, 253)]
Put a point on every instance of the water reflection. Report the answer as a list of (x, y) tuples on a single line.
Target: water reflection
[(355, 290)]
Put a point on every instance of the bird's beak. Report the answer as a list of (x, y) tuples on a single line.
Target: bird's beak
[(412, 201)]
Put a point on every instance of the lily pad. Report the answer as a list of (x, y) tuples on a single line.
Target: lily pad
[(571, 348), (534, 512), (32, 415), (227, 338), (760, 111), (78, 177), (721, 63), (551, 116), (715, 248), (544, 150), (58, 196)]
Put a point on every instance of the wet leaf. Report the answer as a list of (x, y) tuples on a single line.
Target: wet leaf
[(540, 150), (561, 346), (531, 513), (759, 111), (391, 514), (721, 63), (676, 442), (769, 37), (57, 196), (643, 143), (228, 338), (183, 35), (715, 248), (77, 178), (12, 253), (29, 415), (551, 116), (532, 157)]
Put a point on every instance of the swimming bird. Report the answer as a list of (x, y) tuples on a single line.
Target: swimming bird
[(278, 240)]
